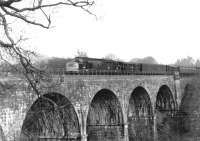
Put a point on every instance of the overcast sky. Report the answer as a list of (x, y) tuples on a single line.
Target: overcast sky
[(164, 29)]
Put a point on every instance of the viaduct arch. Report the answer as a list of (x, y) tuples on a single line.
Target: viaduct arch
[(51, 116), (140, 116), (165, 109), (105, 117)]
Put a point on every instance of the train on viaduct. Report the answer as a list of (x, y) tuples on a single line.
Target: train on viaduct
[(96, 106)]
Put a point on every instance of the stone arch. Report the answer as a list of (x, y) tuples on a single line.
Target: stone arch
[(140, 116), (45, 121), (145, 86), (165, 101), (165, 108), (105, 117)]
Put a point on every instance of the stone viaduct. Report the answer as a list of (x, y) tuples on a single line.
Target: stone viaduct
[(96, 107)]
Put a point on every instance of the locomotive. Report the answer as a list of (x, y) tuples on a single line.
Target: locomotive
[(85, 65)]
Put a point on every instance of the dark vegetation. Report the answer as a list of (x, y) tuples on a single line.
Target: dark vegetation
[(189, 111)]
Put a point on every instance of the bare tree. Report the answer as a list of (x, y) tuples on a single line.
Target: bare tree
[(32, 12), (186, 62), (112, 57), (81, 53)]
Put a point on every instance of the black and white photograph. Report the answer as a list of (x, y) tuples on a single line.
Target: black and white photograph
[(99, 70)]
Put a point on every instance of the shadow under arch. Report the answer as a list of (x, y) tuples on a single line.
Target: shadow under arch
[(140, 116), (165, 109), (44, 121), (105, 118)]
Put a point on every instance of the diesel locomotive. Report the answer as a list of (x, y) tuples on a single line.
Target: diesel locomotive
[(85, 65)]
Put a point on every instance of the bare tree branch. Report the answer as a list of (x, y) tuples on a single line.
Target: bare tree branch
[(12, 11), (9, 46)]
